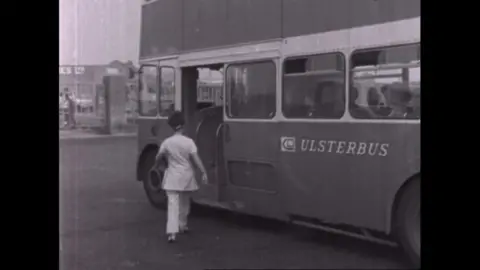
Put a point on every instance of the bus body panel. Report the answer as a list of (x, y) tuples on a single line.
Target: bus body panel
[(266, 181), (346, 173), (313, 16), (160, 30), (178, 26), (251, 159)]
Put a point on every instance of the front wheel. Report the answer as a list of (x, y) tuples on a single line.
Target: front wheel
[(408, 220), (152, 182)]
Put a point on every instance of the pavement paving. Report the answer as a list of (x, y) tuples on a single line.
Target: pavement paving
[(106, 223)]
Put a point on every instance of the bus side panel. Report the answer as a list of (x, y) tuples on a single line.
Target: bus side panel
[(346, 173), (161, 28), (251, 159), (310, 17)]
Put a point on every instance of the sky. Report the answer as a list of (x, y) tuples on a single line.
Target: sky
[(96, 32)]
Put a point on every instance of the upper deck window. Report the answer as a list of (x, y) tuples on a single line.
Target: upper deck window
[(314, 87), (385, 83), (251, 90)]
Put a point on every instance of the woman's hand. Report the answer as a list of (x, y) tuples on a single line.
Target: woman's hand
[(204, 178)]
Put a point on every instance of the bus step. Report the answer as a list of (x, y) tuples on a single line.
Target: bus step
[(209, 203), (365, 235)]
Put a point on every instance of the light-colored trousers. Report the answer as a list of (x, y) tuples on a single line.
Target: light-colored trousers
[(177, 210)]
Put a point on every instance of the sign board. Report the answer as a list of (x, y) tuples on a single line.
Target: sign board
[(71, 70), (112, 71)]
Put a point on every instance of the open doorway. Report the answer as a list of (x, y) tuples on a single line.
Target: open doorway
[(202, 90), (202, 105)]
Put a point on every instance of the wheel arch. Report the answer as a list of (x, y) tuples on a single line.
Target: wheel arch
[(396, 200), (146, 151)]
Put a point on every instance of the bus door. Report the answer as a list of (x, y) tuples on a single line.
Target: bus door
[(249, 131), (208, 134), (201, 124), (209, 142)]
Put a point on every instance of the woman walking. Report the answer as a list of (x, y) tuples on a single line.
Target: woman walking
[(179, 179)]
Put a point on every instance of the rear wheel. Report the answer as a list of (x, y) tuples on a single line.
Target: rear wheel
[(152, 182), (408, 220)]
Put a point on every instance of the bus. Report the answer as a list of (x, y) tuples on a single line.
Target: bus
[(318, 121)]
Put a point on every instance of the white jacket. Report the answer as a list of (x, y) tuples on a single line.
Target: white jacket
[(180, 173)]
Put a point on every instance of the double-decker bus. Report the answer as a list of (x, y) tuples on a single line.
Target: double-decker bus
[(319, 120)]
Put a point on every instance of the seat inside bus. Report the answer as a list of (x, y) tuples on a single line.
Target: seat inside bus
[(313, 96), (356, 110), (414, 112), (399, 98)]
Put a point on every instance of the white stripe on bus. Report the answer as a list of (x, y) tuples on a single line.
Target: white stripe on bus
[(347, 40)]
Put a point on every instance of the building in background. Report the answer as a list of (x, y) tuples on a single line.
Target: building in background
[(86, 81)]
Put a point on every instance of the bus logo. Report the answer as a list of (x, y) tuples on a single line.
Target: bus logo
[(287, 144)]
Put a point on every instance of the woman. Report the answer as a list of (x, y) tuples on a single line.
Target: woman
[(179, 179)]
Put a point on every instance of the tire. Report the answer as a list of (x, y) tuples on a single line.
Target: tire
[(408, 222), (152, 185)]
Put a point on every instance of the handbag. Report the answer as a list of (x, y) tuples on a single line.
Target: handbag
[(155, 175)]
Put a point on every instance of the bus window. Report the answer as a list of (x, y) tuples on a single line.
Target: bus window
[(210, 85), (148, 87), (314, 87), (251, 90), (167, 91), (390, 79)]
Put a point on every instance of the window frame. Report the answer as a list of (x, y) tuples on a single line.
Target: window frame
[(345, 87), (351, 79), (139, 95), (227, 97), (160, 89)]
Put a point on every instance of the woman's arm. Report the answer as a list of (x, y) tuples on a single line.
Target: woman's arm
[(198, 162), (160, 156)]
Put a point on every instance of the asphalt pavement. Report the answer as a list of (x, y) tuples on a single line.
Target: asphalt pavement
[(106, 223)]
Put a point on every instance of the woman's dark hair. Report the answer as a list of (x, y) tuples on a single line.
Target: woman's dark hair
[(176, 120)]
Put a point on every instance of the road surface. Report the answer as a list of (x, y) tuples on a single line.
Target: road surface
[(106, 223)]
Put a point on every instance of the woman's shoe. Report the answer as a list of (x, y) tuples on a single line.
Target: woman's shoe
[(171, 238), (184, 230)]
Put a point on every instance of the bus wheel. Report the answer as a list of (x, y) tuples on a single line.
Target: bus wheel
[(408, 219), (152, 182)]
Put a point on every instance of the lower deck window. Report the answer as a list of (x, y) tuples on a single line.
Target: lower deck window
[(251, 89), (314, 87), (385, 83)]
